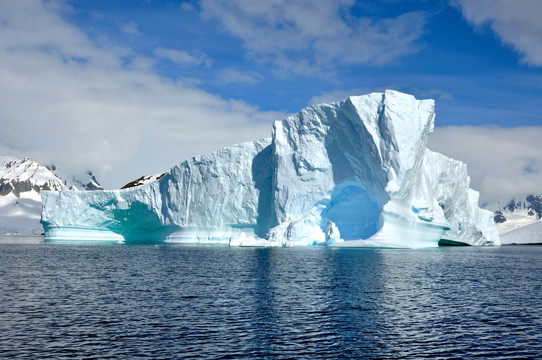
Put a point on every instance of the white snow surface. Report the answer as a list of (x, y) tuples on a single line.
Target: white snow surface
[(21, 181), (518, 212), (516, 219), (79, 181), (522, 225), (350, 173), (525, 235)]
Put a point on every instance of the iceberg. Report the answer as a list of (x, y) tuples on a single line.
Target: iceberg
[(350, 173)]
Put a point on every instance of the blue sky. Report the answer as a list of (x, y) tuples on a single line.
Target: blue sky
[(131, 87), (464, 66)]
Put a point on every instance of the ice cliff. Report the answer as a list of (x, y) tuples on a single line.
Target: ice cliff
[(350, 173)]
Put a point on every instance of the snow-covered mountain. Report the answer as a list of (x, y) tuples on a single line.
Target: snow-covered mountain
[(518, 212), (21, 183), (519, 220), (351, 173), (82, 181)]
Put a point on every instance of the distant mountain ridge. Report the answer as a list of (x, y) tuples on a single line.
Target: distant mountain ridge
[(19, 176), (84, 181), (518, 214), (21, 183), (532, 203)]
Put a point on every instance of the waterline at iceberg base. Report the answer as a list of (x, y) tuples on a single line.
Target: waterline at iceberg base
[(351, 173)]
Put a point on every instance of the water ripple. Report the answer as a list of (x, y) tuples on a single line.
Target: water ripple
[(227, 303)]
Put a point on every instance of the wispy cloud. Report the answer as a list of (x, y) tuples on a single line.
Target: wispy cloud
[(431, 93), (182, 57), (81, 105), (516, 22), (313, 37), (187, 6), (130, 28), (234, 76), (502, 162)]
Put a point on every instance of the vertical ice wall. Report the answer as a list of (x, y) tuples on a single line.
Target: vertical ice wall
[(209, 198), (351, 163)]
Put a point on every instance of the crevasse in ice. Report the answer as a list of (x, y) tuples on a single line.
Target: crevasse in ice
[(350, 173)]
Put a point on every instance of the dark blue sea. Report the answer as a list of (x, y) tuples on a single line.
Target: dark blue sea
[(99, 301)]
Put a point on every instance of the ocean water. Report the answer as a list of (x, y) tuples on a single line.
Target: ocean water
[(99, 301)]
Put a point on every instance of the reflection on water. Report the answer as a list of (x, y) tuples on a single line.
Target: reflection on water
[(178, 301)]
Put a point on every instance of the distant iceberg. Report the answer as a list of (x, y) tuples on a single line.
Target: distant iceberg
[(351, 173)]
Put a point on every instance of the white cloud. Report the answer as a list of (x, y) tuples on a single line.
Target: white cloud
[(516, 22), (431, 93), (313, 37), (183, 58), (130, 28), (234, 76), (502, 162), (187, 6), (69, 101)]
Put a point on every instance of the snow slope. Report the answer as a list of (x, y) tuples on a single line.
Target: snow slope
[(515, 220), (81, 181), (350, 173), (519, 212), (21, 182), (525, 235), (519, 221)]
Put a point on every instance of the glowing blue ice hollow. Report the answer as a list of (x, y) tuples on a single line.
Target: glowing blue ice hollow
[(349, 173)]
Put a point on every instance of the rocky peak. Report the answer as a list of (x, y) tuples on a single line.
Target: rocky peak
[(24, 175)]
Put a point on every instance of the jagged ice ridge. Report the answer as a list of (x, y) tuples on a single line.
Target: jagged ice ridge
[(350, 173)]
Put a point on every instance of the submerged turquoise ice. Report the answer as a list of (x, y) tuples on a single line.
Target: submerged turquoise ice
[(351, 173)]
